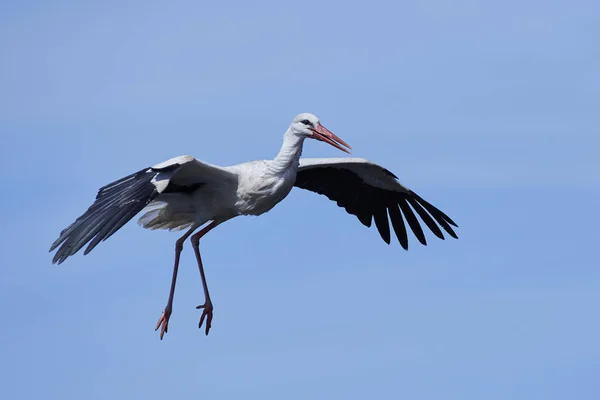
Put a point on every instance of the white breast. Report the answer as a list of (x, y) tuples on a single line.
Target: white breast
[(259, 190)]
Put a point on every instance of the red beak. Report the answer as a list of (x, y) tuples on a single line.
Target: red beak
[(325, 135)]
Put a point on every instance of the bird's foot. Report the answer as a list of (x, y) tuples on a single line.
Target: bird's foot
[(163, 322), (207, 312)]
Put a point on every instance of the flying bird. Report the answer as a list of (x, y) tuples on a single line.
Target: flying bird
[(185, 193)]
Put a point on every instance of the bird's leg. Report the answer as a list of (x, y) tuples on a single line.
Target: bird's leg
[(207, 307), (163, 321)]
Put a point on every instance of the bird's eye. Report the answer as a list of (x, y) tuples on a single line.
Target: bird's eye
[(306, 122)]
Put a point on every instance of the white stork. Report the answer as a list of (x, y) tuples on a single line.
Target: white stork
[(186, 193)]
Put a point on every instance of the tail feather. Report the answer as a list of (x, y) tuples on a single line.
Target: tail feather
[(159, 217)]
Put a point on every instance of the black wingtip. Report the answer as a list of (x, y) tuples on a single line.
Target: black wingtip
[(413, 222), (449, 220), (453, 234), (442, 219), (382, 223), (425, 217), (54, 245), (115, 205), (398, 224)]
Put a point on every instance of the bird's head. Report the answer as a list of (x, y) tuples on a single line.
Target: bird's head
[(308, 125)]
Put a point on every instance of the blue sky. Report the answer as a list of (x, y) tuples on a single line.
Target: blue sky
[(487, 109)]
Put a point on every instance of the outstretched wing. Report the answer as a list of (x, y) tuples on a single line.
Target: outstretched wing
[(119, 201), (369, 192)]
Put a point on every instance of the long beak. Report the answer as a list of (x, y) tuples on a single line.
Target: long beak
[(325, 135)]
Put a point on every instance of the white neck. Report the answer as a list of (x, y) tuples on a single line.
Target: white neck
[(289, 154)]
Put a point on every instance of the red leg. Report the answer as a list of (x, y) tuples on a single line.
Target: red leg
[(207, 307), (163, 321)]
